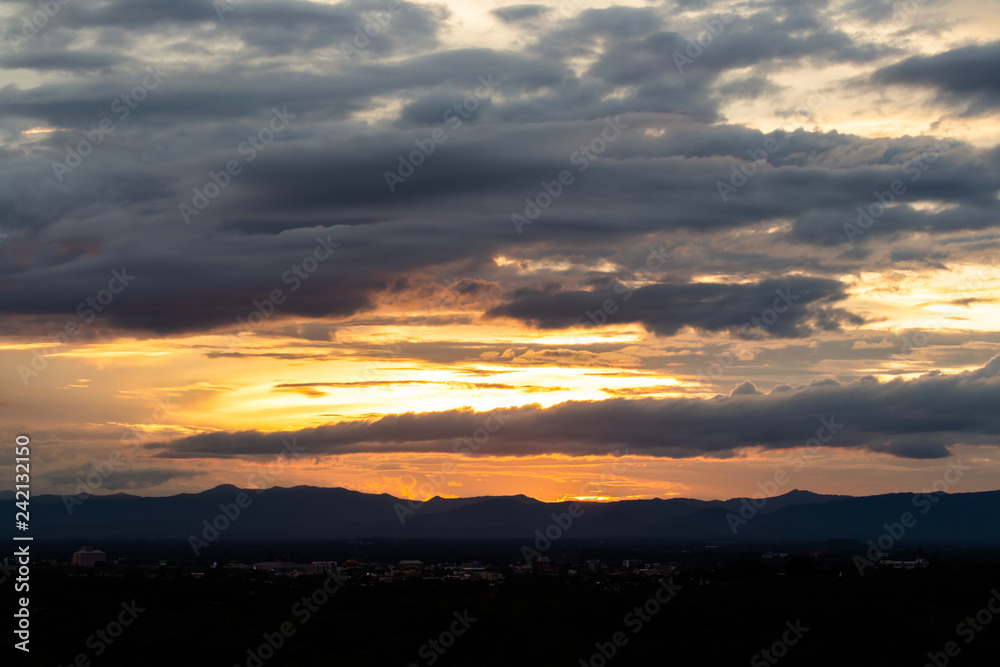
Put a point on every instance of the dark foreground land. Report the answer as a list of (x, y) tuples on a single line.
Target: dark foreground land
[(723, 605)]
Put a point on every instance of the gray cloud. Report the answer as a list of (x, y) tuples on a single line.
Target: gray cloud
[(120, 480), (515, 13), (265, 28), (325, 175), (966, 75), (667, 308), (918, 418)]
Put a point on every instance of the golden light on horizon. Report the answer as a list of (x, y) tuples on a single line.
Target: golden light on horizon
[(434, 303)]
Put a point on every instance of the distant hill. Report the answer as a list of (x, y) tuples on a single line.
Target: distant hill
[(306, 512)]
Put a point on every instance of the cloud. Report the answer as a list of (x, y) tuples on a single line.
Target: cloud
[(77, 62), (967, 75), (779, 307), (745, 388), (262, 28), (66, 240), (120, 480), (919, 418), (355, 120), (516, 13)]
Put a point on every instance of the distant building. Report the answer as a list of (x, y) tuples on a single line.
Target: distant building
[(919, 563), (473, 566), (88, 557), (283, 567), (325, 565)]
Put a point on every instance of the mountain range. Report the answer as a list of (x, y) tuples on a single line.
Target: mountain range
[(305, 512)]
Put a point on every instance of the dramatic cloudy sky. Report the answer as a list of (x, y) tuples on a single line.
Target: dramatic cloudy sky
[(563, 249)]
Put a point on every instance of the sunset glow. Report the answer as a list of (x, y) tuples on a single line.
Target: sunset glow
[(582, 273)]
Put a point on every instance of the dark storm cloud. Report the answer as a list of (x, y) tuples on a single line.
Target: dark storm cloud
[(667, 308), (515, 13), (354, 119), (160, 298), (495, 167), (242, 94), (267, 28), (464, 194), (667, 65), (427, 109), (967, 75), (274, 30), (78, 61), (757, 40), (749, 88), (917, 418)]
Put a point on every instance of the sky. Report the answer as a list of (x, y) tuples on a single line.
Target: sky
[(568, 250)]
